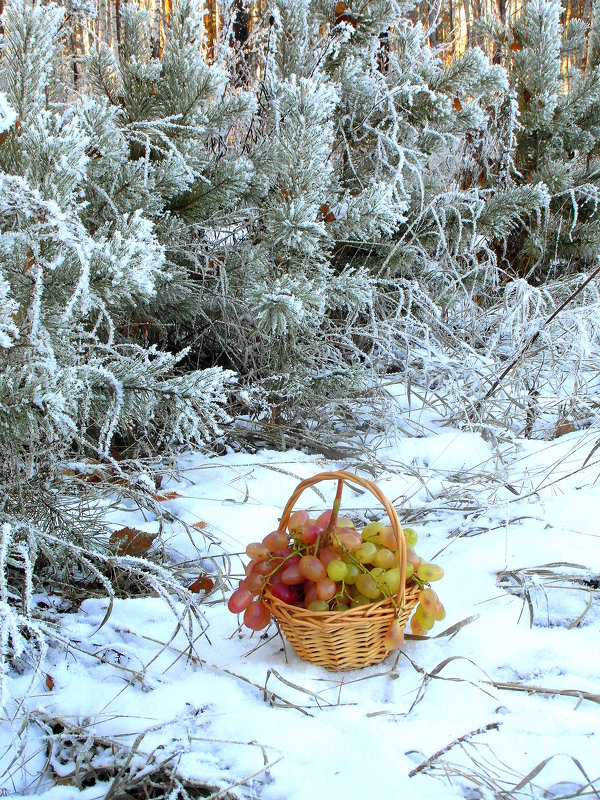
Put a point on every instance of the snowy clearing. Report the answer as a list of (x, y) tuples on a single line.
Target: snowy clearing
[(503, 698)]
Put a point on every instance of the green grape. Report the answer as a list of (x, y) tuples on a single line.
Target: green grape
[(339, 607), (410, 570), (365, 552), (371, 531), (424, 619), (337, 570), (411, 537), (384, 558), (391, 581), (318, 605), (365, 583), (360, 600), (352, 574), (429, 572)]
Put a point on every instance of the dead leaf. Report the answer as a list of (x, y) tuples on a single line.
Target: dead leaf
[(165, 496), (516, 46), (49, 682), (202, 584), (457, 104), (131, 542), (201, 524)]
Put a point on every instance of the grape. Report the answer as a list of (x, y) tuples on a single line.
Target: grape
[(318, 605), (346, 538), (255, 582), (360, 600), (440, 613), (430, 601), (310, 533), (395, 636), (410, 535), (324, 519), (366, 585), (257, 616), (387, 538), (291, 575), (391, 581), (257, 551), (424, 619), (415, 628), (326, 588), (352, 574), (337, 570), (297, 521), (384, 558), (413, 558), (365, 552), (261, 568), (410, 570), (429, 572), (239, 600), (277, 540), (327, 555), (371, 531), (339, 607), (310, 592), (345, 522), (312, 568), (284, 593)]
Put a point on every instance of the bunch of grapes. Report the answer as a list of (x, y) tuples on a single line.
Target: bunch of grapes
[(327, 565)]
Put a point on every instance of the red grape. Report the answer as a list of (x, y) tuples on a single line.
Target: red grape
[(257, 616), (276, 540), (239, 600)]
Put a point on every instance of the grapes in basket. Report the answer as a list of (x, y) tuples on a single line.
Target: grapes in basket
[(327, 565)]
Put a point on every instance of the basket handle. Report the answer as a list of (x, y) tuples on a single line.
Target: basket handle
[(337, 475)]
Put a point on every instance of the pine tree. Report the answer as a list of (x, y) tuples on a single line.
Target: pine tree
[(85, 244)]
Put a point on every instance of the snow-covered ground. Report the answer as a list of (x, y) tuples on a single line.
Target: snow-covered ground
[(503, 696)]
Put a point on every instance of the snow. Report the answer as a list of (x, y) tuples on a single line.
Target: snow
[(245, 711)]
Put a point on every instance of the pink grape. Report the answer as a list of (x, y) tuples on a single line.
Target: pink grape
[(257, 616), (326, 588), (346, 538), (310, 533), (324, 519), (257, 551), (310, 592), (413, 558), (292, 576), (395, 636), (429, 600), (254, 582), (297, 521), (276, 540), (312, 568), (415, 628), (239, 600), (327, 555)]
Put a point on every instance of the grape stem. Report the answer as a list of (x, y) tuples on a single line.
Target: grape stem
[(335, 509)]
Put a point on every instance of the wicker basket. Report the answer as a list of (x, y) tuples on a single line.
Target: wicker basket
[(345, 639)]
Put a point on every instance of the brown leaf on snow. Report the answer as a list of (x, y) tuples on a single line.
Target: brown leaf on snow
[(49, 682), (162, 496), (130, 542), (202, 584), (200, 524)]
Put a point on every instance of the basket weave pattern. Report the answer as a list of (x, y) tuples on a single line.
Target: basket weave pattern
[(345, 639)]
